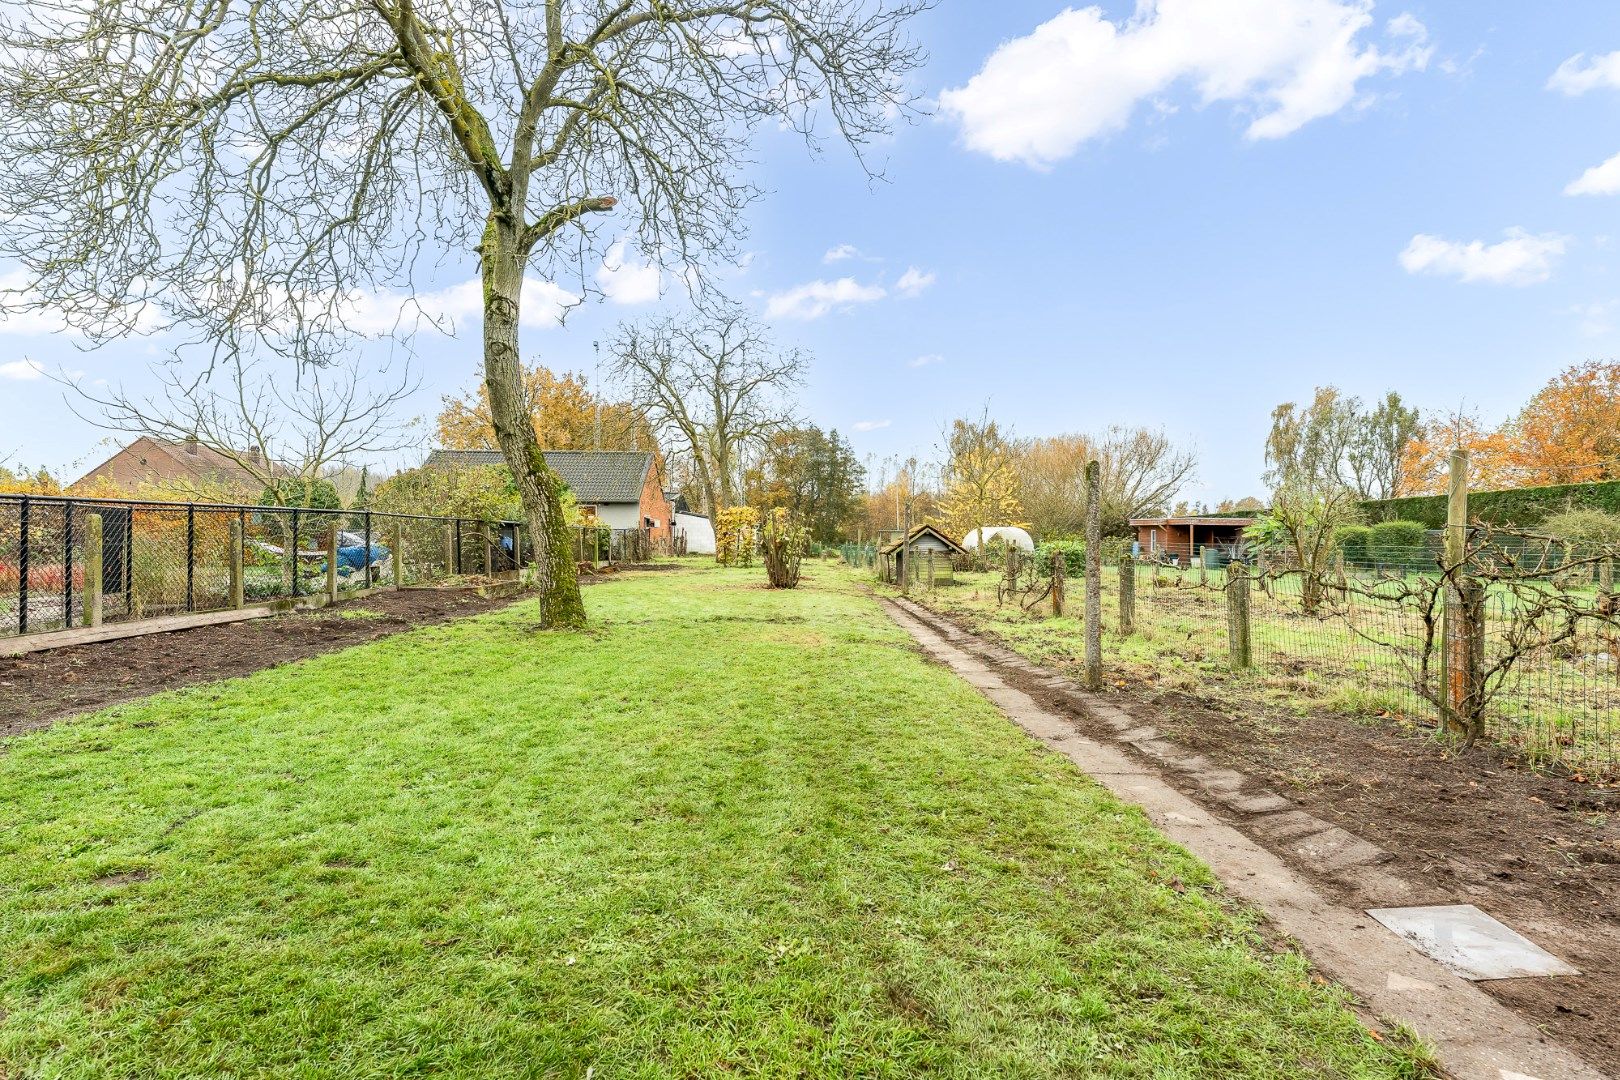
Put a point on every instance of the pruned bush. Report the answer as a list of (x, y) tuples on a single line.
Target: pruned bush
[(1591, 528), (1071, 552), (783, 543), (1389, 535), (1354, 541)]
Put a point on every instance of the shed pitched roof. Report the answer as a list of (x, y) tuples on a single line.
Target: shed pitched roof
[(922, 530), (594, 476), (1194, 520)]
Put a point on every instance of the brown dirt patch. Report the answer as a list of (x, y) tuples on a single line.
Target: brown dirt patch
[(37, 689), (1539, 851)]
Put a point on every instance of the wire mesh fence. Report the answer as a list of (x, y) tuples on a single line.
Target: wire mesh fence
[(1538, 660), (68, 562)]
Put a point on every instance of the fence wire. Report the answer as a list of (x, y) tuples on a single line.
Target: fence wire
[(159, 559)]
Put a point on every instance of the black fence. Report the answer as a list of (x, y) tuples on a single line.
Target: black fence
[(163, 558)]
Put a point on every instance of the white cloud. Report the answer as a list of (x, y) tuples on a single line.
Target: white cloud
[(870, 425), (625, 279), (924, 361), (817, 298), (1577, 75), (1601, 179), (543, 304), (913, 282), (23, 370), (18, 316), (840, 253), (1078, 76), (1522, 259)]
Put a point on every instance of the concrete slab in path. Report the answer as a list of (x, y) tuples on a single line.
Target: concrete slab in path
[(1475, 1037)]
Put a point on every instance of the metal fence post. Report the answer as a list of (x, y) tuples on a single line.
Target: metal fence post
[(92, 570), (22, 566), (368, 550), (449, 550), (456, 568), (1127, 595), (292, 554), (191, 556), (1238, 644), (67, 564)]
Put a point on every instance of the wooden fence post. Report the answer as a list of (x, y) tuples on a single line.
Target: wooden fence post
[(1238, 644), (1462, 606), (396, 553), (1059, 571), (331, 562), (489, 550), (238, 571), (450, 566), (1094, 675), (92, 570), (1203, 565), (1127, 595)]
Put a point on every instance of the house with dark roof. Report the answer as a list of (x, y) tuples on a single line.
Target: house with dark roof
[(621, 487)]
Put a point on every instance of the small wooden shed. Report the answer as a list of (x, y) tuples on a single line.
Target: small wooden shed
[(931, 554)]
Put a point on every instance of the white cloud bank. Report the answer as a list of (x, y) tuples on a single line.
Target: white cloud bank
[(1578, 75), (1078, 76), (1522, 259), (816, 298), (22, 370), (870, 425), (926, 360), (1601, 179)]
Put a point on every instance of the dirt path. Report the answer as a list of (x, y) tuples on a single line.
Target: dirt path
[(1541, 853), (37, 689)]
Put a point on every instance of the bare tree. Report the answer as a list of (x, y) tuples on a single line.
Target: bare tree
[(1142, 472), (712, 383), (274, 428), (251, 170)]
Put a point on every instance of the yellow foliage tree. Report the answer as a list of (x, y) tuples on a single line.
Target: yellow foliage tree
[(563, 411), (734, 530), (981, 477)]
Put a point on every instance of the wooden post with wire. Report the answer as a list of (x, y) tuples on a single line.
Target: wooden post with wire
[(1239, 646), (1463, 608), (396, 554), (1127, 595), (238, 584), (92, 570), (1094, 675)]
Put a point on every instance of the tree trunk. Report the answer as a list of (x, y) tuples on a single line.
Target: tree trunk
[(561, 606)]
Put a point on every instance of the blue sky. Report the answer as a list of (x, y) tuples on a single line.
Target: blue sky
[(1176, 216)]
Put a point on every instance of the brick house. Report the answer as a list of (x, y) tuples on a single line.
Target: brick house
[(621, 487), (158, 461)]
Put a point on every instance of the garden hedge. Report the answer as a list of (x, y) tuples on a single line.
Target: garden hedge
[(1519, 506)]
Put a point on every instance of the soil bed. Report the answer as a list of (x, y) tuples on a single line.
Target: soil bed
[(1539, 851), (37, 689)]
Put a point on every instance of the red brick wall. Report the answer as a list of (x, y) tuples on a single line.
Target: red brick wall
[(655, 506)]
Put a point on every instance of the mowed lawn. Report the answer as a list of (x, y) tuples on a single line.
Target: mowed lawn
[(726, 832)]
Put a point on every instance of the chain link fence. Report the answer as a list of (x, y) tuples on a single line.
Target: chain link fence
[(67, 562)]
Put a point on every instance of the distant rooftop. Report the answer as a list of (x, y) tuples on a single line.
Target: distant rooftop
[(594, 476)]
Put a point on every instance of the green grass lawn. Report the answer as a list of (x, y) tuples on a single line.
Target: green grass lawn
[(726, 832)]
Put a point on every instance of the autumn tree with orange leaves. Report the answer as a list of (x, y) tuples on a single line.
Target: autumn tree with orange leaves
[(1567, 434)]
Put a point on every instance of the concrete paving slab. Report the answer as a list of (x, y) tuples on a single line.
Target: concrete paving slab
[(1335, 849), (1266, 802), (1288, 825), (1471, 943)]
